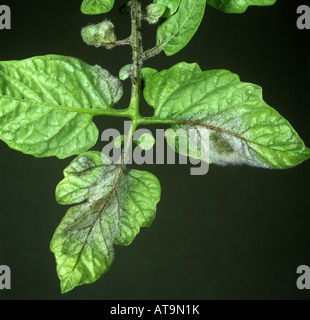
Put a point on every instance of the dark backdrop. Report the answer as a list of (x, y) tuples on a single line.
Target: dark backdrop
[(235, 233)]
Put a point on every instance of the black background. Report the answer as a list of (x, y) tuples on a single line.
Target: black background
[(235, 233)]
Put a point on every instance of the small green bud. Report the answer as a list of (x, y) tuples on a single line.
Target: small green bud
[(125, 72), (154, 12), (146, 141), (100, 35)]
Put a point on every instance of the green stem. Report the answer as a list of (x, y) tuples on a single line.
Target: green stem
[(109, 112), (155, 120), (153, 51), (137, 59), (137, 52)]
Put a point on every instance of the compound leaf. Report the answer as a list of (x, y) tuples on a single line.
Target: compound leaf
[(241, 127), (47, 104), (238, 6), (116, 203), (174, 33), (92, 7)]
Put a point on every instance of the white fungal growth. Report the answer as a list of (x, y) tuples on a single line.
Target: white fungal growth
[(110, 86), (226, 145), (213, 146), (226, 149)]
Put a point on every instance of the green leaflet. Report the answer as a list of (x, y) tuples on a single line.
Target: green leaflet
[(118, 204), (99, 35), (154, 12), (176, 31), (125, 72), (242, 128), (171, 5), (92, 7), (238, 6), (47, 104), (147, 74)]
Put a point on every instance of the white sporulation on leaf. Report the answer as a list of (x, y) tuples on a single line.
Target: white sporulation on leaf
[(115, 204), (243, 129), (109, 83)]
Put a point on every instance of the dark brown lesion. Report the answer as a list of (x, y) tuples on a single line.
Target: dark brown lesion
[(220, 144)]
